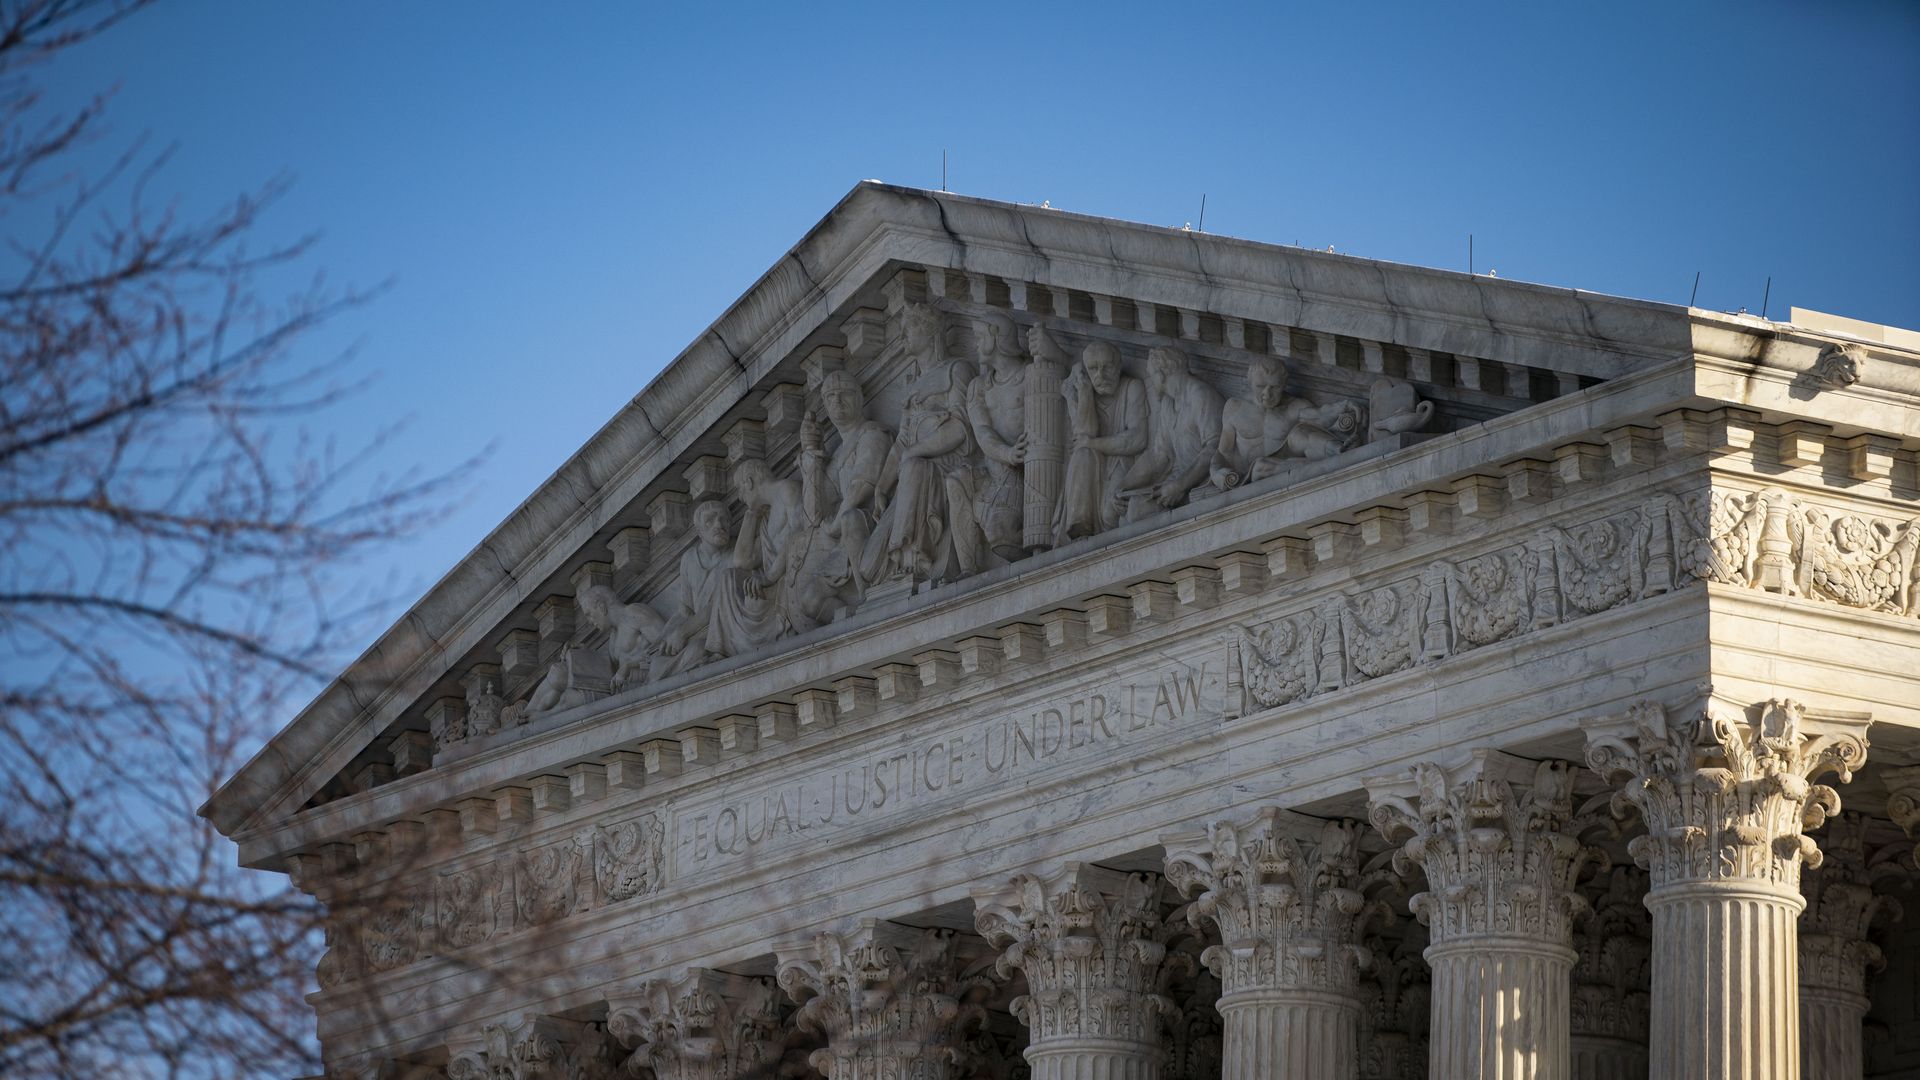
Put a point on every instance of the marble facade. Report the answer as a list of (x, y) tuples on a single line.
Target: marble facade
[(1012, 643)]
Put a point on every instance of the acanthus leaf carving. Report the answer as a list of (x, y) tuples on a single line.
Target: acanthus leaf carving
[(1091, 944), (1281, 891), (1491, 836), (888, 1000), (704, 1025), (1726, 794)]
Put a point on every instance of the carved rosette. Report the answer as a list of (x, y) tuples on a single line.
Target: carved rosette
[(534, 1048), (703, 1026), (1725, 797), (888, 1001), (1090, 942), (1280, 892), (1498, 859)]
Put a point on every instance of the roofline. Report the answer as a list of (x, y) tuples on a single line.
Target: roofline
[(872, 226)]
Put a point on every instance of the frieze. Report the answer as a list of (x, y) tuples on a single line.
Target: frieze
[(962, 762), (417, 918), (1769, 540)]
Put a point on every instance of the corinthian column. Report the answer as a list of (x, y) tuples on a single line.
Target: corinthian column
[(1726, 794), (1835, 954), (1089, 941), (887, 1000), (1499, 908), (703, 1026), (533, 1048), (1279, 889), (1610, 995)]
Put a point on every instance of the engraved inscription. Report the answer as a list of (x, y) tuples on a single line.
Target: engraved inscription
[(959, 762)]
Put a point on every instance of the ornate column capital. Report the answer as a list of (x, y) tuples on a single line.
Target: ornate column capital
[(705, 1025), (1281, 890), (1903, 802), (1090, 942), (1491, 837), (887, 998), (1726, 791), (1842, 910), (1612, 971), (532, 1048)]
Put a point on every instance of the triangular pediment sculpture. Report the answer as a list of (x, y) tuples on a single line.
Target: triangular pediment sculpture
[(927, 393)]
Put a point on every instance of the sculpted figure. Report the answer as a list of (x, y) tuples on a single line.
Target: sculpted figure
[(632, 630), (997, 407), (789, 557), (1394, 407), (578, 675), (843, 493), (929, 531), (1261, 432), (722, 610), (1107, 429), (1183, 432)]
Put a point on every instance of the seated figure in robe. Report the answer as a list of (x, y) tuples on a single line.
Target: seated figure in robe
[(1183, 429), (1107, 429), (722, 609)]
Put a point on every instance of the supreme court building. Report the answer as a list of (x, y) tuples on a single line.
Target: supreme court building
[(1011, 643)]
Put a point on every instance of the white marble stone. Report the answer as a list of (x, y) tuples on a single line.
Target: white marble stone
[(986, 563)]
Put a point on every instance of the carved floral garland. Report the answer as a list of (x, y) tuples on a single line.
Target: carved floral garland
[(460, 909), (1766, 539)]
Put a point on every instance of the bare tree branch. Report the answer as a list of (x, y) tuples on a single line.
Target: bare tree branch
[(178, 564)]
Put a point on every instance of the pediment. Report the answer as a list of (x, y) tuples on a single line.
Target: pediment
[(872, 389)]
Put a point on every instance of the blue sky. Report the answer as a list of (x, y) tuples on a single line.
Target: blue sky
[(564, 195)]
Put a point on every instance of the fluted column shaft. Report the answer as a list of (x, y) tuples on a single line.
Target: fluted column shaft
[(1726, 979), (1289, 1033), (1725, 791), (1603, 1057), (1830, 1029), (1088, 1059), (1501, 872), (1499, 1009), (1842, 914)]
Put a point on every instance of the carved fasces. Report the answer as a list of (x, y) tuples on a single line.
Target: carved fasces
[(888, 1000), (1491, 836), (1091, 944), (1281, 891), (533, 1048), (705, 1025), (1725, 792)]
